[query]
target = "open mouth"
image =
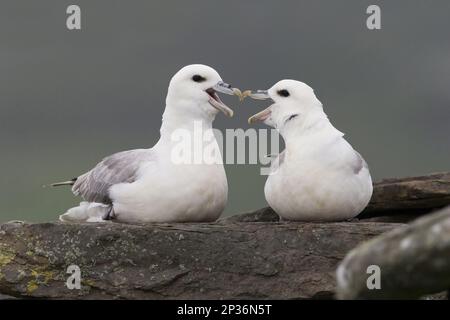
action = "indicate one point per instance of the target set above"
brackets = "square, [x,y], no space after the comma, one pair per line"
[213,94]
[215,101]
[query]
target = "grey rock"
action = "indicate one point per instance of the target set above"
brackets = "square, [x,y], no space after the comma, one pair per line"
[414,261]
[409,197]
[262,215]
[251,255]
[178,261]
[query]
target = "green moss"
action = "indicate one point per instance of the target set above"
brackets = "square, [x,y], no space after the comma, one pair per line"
[41,277]
[32,286]
[88,282]
[6,256]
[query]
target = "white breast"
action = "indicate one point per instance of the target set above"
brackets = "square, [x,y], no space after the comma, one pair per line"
[173,193]
[318,185]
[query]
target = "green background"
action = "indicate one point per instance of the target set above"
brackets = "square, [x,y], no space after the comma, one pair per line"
[69,98]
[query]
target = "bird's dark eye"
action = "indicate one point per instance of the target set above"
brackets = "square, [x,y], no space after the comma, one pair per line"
[283,93]
[198,78]
[292,116]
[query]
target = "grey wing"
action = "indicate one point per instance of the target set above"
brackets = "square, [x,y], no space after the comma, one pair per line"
[359,163]
[120,167]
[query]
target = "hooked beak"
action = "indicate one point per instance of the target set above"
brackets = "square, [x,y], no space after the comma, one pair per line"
[215,101]
[262,115]
[259,95]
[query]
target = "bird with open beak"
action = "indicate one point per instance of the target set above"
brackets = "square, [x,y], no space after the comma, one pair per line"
[147,185]
[319,176]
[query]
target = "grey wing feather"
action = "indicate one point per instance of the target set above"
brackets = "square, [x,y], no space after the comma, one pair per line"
[120,167]
[359,163]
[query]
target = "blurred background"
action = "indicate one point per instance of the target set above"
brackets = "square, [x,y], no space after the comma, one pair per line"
[69,98]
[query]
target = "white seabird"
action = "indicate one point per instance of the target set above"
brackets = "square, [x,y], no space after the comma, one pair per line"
[319,176]
[147,185]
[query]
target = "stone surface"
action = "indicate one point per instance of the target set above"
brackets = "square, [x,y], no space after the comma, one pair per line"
[409,196]
[261,215]
[251,255]
[181,261]
[414,261]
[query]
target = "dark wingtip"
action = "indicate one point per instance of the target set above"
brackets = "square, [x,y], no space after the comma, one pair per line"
[64,183]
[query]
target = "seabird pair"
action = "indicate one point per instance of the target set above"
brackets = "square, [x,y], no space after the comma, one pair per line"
[318,177]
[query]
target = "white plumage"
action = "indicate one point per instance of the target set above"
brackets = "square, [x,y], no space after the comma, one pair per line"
[319,176]
[146,185]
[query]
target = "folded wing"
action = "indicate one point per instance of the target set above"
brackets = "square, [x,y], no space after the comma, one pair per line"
[122,167]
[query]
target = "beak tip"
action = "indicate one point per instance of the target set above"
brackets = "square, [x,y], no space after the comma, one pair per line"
[236,91]
[241,95]
[261,116]
[246,93]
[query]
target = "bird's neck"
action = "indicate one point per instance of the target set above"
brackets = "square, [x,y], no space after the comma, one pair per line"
[314,123]
[188,138]
[177,120]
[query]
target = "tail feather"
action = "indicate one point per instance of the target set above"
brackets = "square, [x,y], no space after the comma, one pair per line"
[64,183]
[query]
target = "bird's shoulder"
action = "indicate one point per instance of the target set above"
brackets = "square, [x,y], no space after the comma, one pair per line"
[343,154]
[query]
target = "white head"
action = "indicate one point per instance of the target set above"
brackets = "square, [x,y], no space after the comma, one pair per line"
[293,102]
[193,90]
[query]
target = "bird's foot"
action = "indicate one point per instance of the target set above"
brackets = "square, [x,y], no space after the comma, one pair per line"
[110,214]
